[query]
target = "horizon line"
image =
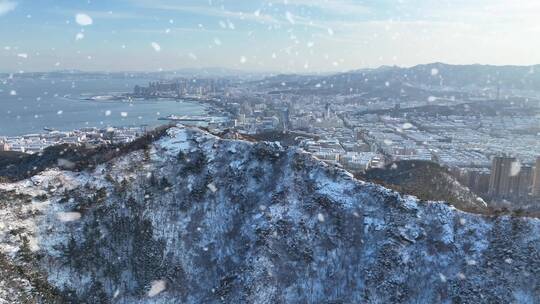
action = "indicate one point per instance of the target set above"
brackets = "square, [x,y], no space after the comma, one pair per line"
[253,71]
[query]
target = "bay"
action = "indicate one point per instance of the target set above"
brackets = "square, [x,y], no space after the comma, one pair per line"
[30,105]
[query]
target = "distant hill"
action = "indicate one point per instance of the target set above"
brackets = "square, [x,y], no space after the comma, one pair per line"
[10,157]
[209,72]
[427,181]
[443,78]
[15,166]
[461,76]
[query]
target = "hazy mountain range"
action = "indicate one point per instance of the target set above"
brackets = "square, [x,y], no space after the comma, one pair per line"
[433,74]
[429,77]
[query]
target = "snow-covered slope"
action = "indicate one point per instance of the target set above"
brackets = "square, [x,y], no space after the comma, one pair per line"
[198,219]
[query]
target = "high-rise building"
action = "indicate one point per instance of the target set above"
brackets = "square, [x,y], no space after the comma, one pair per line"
[536,183]
[477,179]
[327,112]
[502,170]
[521,183]
[3,145]
[285,118]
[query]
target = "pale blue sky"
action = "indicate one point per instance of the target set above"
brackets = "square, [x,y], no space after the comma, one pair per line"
[281,36]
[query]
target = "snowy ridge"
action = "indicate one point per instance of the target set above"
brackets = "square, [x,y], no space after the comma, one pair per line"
[199,219]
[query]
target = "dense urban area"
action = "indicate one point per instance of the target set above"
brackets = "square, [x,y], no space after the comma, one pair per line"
[487,136]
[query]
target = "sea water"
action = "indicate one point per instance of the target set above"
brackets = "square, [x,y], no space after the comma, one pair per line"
[30,105]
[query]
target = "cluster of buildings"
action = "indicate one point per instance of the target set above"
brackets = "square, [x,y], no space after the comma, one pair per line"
[361,134]
[181,87]
[35,143]
[321,132]
[510,179]
[341,147]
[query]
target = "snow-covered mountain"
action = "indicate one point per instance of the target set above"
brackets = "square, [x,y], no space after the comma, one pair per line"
[194,218]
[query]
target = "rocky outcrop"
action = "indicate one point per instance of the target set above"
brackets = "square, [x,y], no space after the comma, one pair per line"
[194,218]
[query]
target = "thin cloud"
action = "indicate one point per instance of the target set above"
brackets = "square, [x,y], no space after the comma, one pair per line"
[7,6]
[334,7]
[116,15]
[176,29]
[211,11]
[108,15]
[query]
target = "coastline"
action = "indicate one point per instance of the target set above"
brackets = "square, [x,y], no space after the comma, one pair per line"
[71,114]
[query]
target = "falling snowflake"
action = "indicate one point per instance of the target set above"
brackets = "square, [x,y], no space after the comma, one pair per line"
[83,19]
[108,113]
[320,217]
[156,288]
[217,41]
[212,187]
[471,262]
[79,36]
[13,93]
[243,59]
[156,46]
[289,16]
[407,125]
[67,164]
[515,168]
[22,55]
[434,72]
[68,216]
[124,114]
[7,6]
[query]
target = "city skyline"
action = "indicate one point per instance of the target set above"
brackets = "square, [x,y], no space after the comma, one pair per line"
[295,36]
